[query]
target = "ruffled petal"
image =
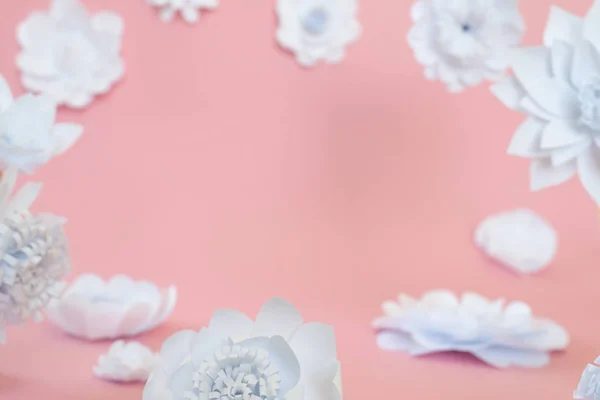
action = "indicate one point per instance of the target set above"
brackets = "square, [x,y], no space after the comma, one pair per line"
[6,97]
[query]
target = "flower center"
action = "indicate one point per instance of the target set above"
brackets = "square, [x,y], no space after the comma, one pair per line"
[466,28]
[236,373]
[316,22]
[589,105]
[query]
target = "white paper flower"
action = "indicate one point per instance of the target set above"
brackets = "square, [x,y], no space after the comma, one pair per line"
[589,385]
[558,87]
[464,42]
[69,54]
[189,9]
[317,30]
[94,309]
[126,362]
[519,239]
[277,357]
[29,136]
[33,255]
[498,335]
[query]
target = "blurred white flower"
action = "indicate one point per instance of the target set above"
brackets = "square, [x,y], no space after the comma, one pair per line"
[29,136]
[317,30]
[69,54]
[276,357]
[126,362]
[498,335]
[464,42]
[33,255]
[519,239]
[558,87]
[93,309]
[589,385]
[189,9]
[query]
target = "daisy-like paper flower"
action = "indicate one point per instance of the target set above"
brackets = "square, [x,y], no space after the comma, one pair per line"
[189,9]
[317,30]
[277,357]
[69,54]
[94,309]
[464,42]
[496,334]
[558,87]
[29,136]
[126,362]
[33,255]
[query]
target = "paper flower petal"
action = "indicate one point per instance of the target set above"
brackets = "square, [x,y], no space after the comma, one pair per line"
[265,364]
[588,165]
[189,9]
[589,385]
[126,362]
[503,357]
[94,309]
[562,25]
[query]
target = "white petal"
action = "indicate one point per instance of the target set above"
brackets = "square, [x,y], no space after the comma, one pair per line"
[562,25]
[475,302]
[531,64]
[509,91]
[543,174]
[24,199]
[65,135]
[282,355]
[562,59]
[395,341]
[526,140]
[277,317]
[157,387]
[109,22]
[206,342]
[175,349]
[419,10]
[182,381]
[561,156]
[534,109]
[230,324]
[561,133]
[586,67]
[503,357]
[591,25]
[190,15]
[35,30]
[314,345]
[440,298]
[588,165]
[36,64]
[555,97]
[6,97]
[167,14]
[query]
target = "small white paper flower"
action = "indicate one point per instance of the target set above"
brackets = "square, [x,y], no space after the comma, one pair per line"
[34,255]
[189,9]
[496,334]
[277,357]
[94,309]
[519,239]
[589,385]
[317,30]
[464,42]
[69,54]
[126,362]
[29,136]
[558,87]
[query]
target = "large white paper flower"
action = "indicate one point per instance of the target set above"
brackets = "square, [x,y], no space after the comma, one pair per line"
[558,87]
[496,334]
[69,54]
[521,240]
[29,136]
[126,362]
[464,42]
[275,358]
[589,385]
[94,309]
[189,9]
[317,30]
[33,255]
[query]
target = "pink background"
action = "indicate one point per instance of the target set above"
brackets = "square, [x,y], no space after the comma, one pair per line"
[221,166]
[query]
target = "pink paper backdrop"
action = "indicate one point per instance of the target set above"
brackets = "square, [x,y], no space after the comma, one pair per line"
[221,166]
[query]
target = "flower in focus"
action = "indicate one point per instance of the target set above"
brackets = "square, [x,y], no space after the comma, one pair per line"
[94,309]
[70,55]
[317,30]
[277,357]
[464,42]
[29,136]
[34,255]
[496,334]
[589,385]
[189,9]
[126,362]
[558,87]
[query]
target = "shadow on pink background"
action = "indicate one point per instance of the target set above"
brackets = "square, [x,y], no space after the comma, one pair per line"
[221,166]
